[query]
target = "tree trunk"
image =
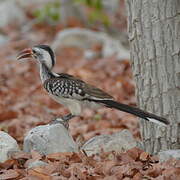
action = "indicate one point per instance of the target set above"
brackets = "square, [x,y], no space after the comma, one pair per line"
[154,35]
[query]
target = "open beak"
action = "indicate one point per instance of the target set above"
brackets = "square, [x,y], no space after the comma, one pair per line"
[26,53]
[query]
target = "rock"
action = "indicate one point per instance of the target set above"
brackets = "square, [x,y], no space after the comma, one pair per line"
[49,139]
[3,40]
[11,13]
[90,54]
[37,163]
[119,142]
[70,10]
[86,39]
[111,6]
[114,47]
[35,3]
[165,155]
[8,145]
[76,37]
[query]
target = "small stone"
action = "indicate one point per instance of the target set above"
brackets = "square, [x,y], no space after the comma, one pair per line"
[37,163]
[90,54]
[49,139]
[119,142]
[32,3]
[165,155]
[15,15]
[3,40]
[86,39]
[8,145]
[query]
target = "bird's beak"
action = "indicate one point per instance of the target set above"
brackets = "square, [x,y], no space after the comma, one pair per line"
[26,53]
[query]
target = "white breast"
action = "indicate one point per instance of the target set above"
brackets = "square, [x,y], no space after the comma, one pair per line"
[75,106]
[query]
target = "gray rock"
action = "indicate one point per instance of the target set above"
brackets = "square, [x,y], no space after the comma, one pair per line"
[111,6]
[37,163]
[49,139]
[119,142]
[90,54]
[69,9]
[165,155]
[11,13]
[3,40]
[114,47]
[85,39]
[76,37]
[8,145]
[35,3]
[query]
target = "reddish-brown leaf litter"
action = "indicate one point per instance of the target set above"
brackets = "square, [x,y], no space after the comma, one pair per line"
[133,164]
[24,104]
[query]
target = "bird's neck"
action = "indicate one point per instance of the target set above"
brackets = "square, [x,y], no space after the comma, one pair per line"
[45,72]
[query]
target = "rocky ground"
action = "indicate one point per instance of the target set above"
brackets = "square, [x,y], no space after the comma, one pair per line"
[24,105]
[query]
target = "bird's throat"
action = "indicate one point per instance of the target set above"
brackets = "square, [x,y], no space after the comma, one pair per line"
[45,72]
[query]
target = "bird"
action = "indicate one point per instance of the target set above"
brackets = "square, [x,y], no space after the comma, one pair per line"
[74,93]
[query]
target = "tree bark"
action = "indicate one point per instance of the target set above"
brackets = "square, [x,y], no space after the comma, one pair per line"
[154,35]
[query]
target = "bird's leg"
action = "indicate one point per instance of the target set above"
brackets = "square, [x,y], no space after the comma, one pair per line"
[68,117]
[63,120]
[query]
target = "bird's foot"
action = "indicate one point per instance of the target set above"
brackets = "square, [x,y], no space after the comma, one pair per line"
[68,117]
[62,120]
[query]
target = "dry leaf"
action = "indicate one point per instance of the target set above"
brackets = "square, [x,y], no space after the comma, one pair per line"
[59,156]
[144,156]
[125,158]
[36,155]
[7,164]
[20,155]
[117,171]
[137,176]
[77,174]
[38,173]
[134,153]
[113,177]
[171,173]
[7,115]
[9,174]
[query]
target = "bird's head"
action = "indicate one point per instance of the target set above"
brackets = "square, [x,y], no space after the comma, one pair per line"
[42,53]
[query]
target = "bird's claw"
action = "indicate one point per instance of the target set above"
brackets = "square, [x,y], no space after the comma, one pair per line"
[60,120]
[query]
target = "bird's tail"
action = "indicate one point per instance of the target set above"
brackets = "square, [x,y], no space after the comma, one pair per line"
[135,111]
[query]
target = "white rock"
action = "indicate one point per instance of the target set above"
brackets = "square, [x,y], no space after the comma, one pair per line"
[26,4]
[119,142]
[8,145]
[90,54]
[111,6]
[37,163]
[3,40]
[114,47]
[49,139]
[77,37]
[10,13]
[85,39]
[165,155]
[69,9]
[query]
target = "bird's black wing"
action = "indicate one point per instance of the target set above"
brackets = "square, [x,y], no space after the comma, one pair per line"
[68,86]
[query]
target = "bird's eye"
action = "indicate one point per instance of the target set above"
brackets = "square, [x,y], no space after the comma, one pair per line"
[34,51]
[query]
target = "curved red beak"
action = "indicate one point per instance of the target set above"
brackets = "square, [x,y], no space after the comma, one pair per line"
[26,53]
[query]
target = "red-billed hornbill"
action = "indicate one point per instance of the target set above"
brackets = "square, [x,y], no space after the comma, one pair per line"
[74,93]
